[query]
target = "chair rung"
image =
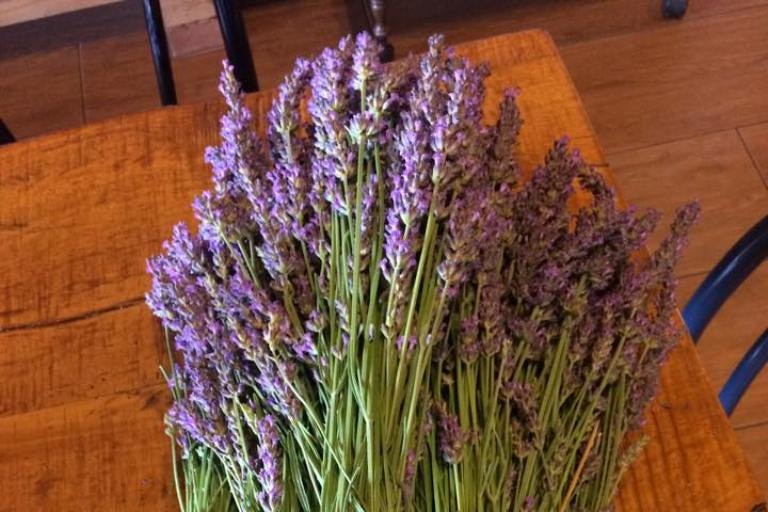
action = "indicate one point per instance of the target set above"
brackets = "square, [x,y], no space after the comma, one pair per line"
[745,373]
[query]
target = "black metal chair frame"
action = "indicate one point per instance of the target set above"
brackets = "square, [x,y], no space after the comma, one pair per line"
[738,263]
[232,32]
[161,58]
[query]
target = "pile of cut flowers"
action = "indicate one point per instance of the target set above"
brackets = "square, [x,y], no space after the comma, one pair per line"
[378,313]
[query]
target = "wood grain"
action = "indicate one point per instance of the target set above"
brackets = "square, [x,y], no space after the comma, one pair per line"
[754,437]
[687,464]
[164,170]
[567,21]
[28,108]
[736,326]
[106,454]
[18,11]
[119,77]
[756,140]
[182,12]
[101,354]
[691,79]
[716,170]
[64,254]
[69,30]
[86,207]
[194,38]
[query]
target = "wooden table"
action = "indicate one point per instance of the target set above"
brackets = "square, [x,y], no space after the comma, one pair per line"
[81,400]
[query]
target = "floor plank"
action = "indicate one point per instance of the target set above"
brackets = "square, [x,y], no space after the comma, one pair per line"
[568,21]
[756,139]
[716,170]
[18,11]
[728,337]
[40,93]
[70,29]
[318,23]
[197,76]
[674,81]
[118,77]
[313,25]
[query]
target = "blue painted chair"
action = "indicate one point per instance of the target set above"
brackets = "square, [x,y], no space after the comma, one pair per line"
[737,265]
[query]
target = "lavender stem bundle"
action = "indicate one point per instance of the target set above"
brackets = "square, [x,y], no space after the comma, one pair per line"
[378,314]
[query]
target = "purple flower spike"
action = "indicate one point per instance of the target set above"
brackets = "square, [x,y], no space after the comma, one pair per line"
[270,456]
[378,277]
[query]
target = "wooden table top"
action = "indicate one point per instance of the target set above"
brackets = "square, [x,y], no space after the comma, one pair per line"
[81,399]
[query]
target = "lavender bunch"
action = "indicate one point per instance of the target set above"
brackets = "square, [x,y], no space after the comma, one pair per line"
[378,313]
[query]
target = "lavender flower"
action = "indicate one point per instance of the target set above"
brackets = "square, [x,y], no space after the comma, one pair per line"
[378,263]
[452,439]
[270,456]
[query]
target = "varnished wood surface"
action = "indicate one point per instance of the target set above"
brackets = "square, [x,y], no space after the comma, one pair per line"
[696,77]
[32,111]
[79,213]
[103,52]
[755,138]
[712,168]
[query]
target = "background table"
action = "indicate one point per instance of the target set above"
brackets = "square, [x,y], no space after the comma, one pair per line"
[81,400]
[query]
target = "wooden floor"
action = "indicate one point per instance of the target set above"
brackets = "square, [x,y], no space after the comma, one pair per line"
[681,108]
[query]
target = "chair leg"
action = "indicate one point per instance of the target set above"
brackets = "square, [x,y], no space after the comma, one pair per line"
[378,11]
[674,8]
[236,43]
[159,45]
[6,137]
